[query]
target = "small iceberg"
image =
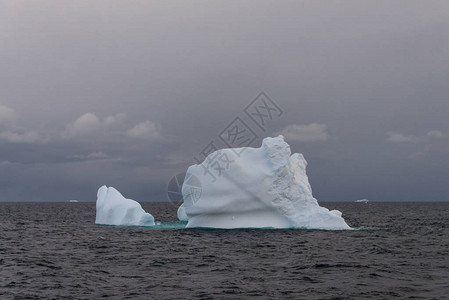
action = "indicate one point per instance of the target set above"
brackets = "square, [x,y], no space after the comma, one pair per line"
[114,209]
[362,201]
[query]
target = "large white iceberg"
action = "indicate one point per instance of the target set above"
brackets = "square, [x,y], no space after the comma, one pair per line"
[114,209]
[264,187]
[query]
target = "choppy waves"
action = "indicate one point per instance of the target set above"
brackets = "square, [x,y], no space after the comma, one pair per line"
[54,250]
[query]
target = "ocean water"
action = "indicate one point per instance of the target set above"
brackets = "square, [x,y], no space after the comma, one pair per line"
[55,251]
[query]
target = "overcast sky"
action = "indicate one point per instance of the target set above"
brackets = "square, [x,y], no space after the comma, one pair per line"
[127,93]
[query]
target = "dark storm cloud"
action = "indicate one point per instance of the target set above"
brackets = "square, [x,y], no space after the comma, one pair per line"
[127,93]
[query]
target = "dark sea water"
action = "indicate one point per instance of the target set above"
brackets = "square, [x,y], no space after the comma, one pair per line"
[54,251]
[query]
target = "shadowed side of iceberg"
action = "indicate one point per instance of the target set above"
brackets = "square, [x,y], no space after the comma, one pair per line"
[264,187]
[114,209]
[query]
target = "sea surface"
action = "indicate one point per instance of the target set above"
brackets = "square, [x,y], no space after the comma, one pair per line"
[55,251]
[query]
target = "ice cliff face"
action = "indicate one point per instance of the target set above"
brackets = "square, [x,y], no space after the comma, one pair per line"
[254,188]
[114,209]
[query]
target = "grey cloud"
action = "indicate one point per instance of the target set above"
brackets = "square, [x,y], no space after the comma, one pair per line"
[20,137]
[437,134]
[396,137]
[312,132]
[7,116]
[145,130]
[11,132]
[91,156]
[86,124]
[90,126]
[114,120]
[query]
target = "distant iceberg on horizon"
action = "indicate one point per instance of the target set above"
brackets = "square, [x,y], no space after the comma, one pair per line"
[362,201]
[264,187]
[114,209]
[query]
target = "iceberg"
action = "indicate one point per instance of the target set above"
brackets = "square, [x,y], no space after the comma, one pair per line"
[114,209]
[182,214]
[264,187]
[362,201]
